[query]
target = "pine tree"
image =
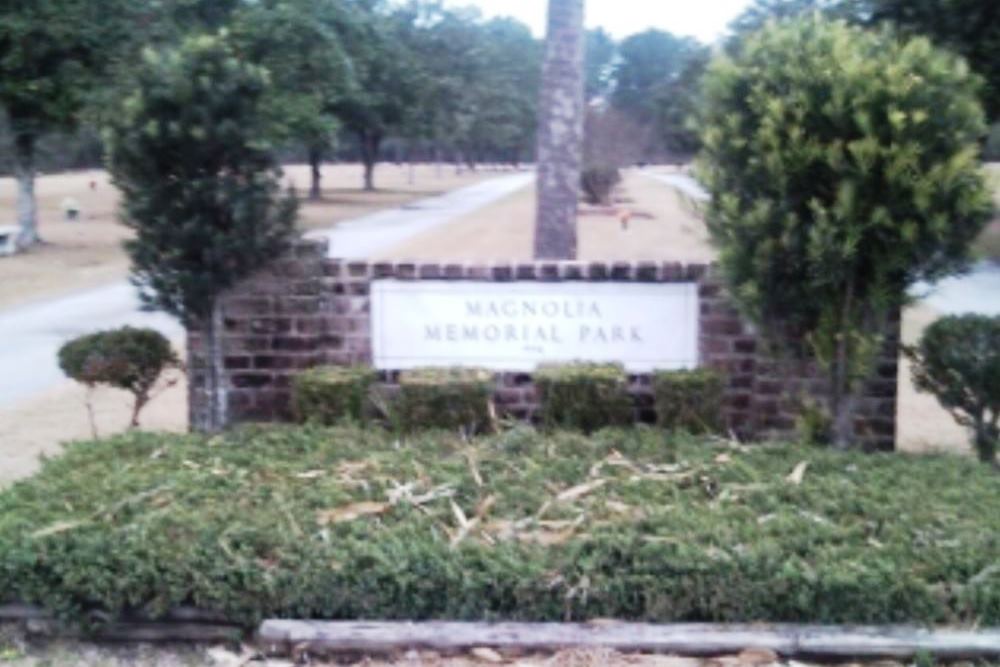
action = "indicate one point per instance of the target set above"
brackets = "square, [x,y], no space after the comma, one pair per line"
[560,132]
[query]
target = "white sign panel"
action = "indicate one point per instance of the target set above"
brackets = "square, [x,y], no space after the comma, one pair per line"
[517,326]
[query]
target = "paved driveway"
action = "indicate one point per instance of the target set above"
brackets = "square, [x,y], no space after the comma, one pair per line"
[30,336]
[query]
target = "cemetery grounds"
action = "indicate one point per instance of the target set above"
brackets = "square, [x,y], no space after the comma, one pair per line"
[649,220]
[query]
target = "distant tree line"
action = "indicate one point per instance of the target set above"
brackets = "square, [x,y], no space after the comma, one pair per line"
[373,79]
[969,28]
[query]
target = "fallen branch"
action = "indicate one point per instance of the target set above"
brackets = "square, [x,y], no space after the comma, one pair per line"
[281,636]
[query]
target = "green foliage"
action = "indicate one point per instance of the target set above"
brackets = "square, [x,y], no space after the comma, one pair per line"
[584,396]
[300,46]
[198,180]
[51,53]
[967,27]
[479,87]
[253,524]
[443,398]
[599,182]
[599,60]
[333,394]
[958,360]
[656,83]
[388,79]
[813,424]
[843,167]
[761,12]
[689,400]
[128,359]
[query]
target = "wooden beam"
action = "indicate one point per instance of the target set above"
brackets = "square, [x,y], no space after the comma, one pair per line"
[281,636]
[183,624]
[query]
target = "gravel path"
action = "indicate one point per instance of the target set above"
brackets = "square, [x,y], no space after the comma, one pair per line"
[375,233]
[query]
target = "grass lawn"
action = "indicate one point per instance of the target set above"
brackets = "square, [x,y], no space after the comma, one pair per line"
[632,524]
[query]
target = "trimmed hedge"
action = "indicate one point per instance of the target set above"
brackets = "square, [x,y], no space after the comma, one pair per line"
[583,396]
[689,400]
[446,398]
[332,394]
[635,524]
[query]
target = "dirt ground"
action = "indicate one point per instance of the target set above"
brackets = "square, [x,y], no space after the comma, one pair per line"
[660,227]
[34,429]
[16,652]
[88,253]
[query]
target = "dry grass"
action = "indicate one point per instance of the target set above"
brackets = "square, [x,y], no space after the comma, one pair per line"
[660,228]
[85,254]
[37,427]
[663,229]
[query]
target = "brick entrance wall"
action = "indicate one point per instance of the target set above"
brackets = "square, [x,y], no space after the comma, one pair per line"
[306,310]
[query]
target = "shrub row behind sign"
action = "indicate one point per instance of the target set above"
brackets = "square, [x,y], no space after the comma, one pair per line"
[579,396]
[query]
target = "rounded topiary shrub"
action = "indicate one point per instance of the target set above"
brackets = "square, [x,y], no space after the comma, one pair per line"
[129,359]
[445,398]
[958,360]
[328,395]
[584,396]
[689,400]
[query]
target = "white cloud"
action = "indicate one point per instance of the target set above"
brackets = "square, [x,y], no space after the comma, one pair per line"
[707,20]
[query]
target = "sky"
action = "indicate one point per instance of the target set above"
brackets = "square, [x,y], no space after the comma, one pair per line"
[704,19]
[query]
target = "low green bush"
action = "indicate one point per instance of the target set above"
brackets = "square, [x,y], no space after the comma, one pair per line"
[584,396]
[635,524]
[128,358]
[332,394]
[598,183]
[689,400]
[444,398]
[958,360]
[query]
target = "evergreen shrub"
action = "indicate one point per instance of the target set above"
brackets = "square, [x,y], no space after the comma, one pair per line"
[443,398]
[689,400]
[332,394]
[584,396]
[632,524]
[598,183]
[128,358]
[958,360]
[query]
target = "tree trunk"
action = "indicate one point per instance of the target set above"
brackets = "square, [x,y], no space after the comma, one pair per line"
[843,399]
[369,155]
[213,416]
[27,208]
[987,438]
[560,132]
[316,164]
